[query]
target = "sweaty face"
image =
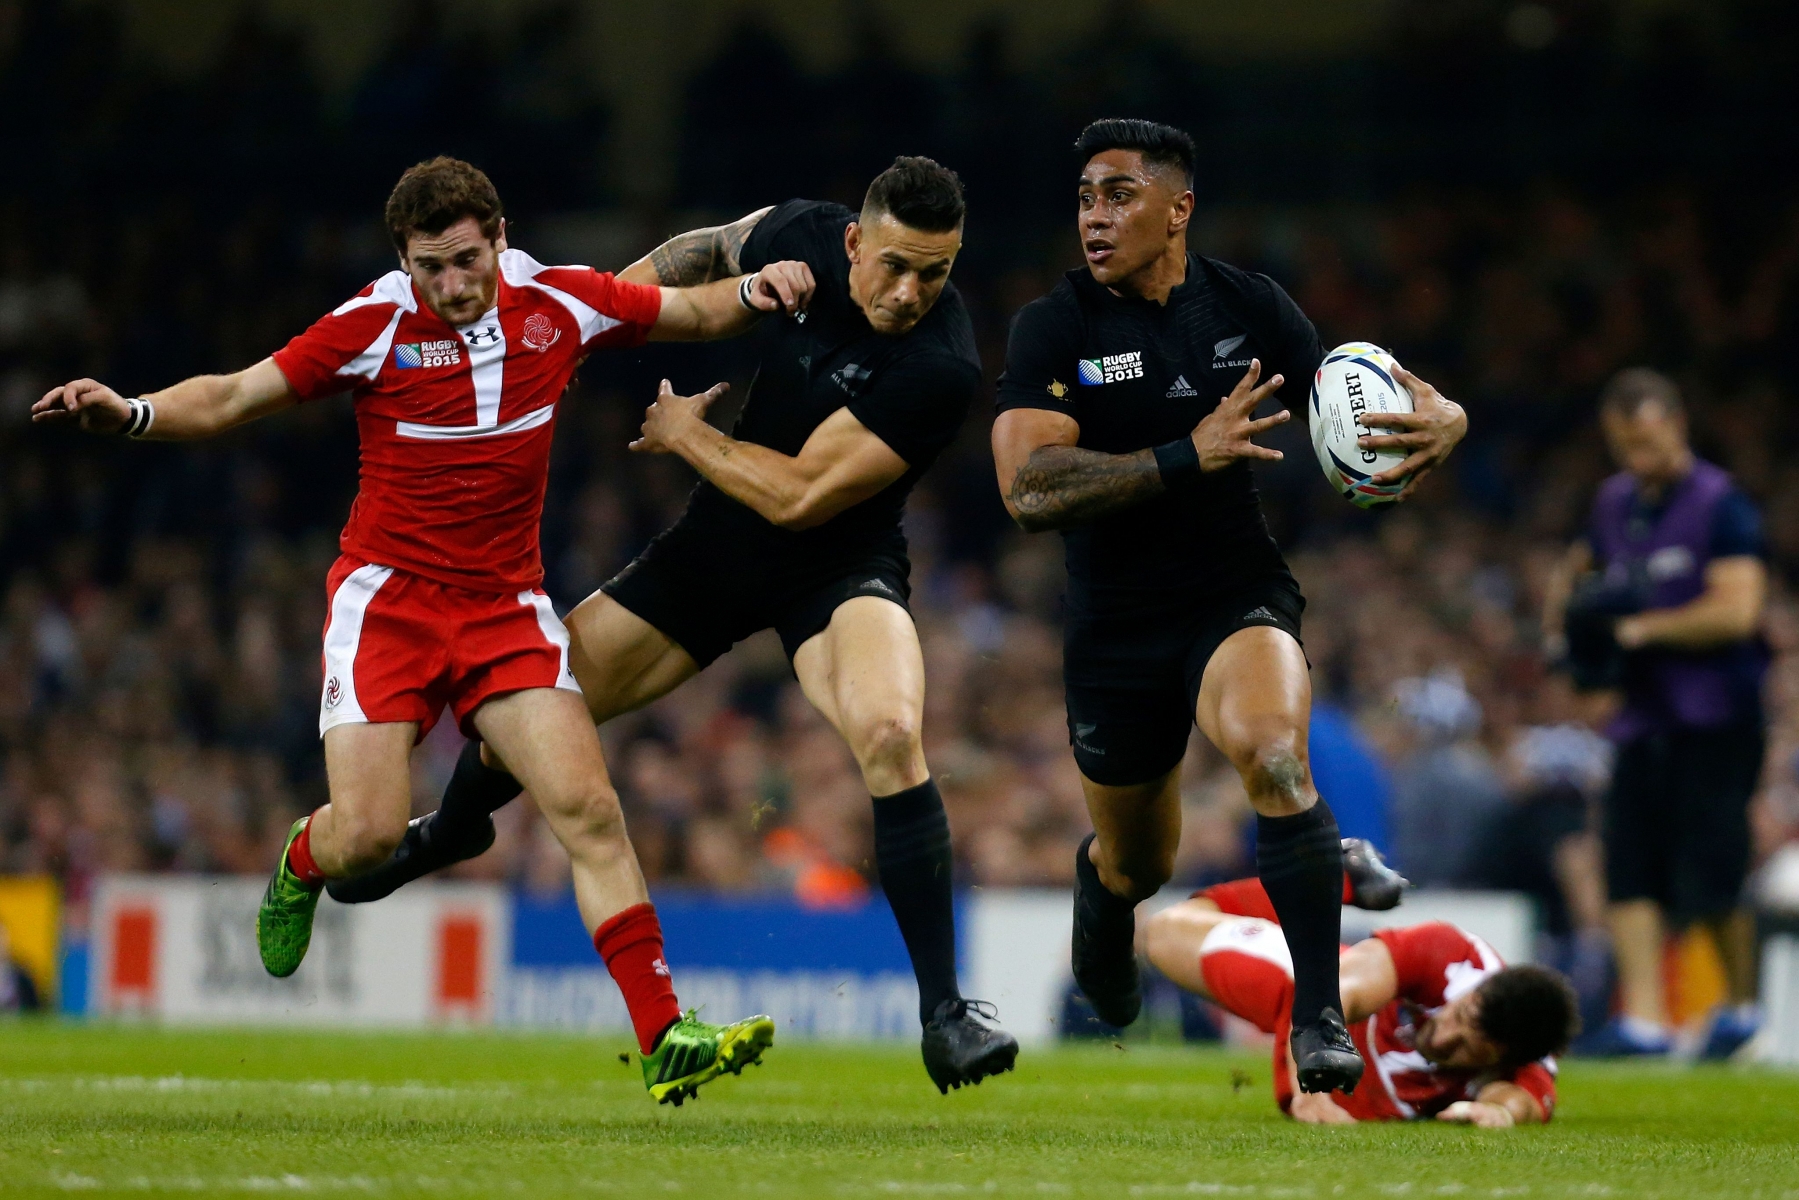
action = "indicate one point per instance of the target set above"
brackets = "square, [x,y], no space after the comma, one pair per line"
[1451,1037]
[1128,212]
[457,272]
[897,272]
[1650,443]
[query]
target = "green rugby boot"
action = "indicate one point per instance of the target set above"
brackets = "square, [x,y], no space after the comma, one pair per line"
[692,1052]
[284,922]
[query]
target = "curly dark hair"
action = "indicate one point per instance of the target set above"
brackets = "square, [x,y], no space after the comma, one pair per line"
[919,193]
[436,194]
[1527,1012]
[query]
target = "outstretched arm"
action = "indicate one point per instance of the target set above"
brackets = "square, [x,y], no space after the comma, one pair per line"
[194,408]
[698,256]
[729,307]
[1048,482]
[842,463]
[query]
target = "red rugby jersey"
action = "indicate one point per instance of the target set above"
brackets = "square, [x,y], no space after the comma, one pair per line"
[1436,962]
[455,423]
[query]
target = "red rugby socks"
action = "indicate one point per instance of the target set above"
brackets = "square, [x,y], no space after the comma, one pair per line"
[1248,898]
[300,860]
[631,944]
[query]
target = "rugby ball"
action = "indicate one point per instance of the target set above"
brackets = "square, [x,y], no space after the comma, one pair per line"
[1356,378]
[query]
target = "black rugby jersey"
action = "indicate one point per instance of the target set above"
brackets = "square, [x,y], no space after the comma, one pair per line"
[912,391]
[1135,374]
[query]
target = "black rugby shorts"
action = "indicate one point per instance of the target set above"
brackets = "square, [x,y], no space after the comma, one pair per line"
[1677,818]
[707,587]
[1132,678]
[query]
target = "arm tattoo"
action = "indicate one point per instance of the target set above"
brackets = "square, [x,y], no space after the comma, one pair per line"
[1059,486]
[702,255]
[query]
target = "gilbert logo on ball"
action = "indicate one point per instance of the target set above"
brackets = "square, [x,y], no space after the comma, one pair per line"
[1356,379]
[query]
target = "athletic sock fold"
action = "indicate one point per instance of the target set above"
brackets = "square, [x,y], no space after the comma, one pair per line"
[913,859]
[299,857]
[630,942]
[1300,861]
[476,790]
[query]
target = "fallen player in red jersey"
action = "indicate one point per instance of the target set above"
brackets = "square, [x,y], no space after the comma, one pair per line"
[1450,1030]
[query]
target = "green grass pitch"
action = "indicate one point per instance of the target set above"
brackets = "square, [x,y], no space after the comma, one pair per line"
[105,1110]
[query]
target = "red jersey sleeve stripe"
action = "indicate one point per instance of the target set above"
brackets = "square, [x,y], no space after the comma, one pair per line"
[603,305]
[349,345]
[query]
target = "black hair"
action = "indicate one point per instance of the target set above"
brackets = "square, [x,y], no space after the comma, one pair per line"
[919,193]
[1635,387]
[1527,1012]
[1161,145]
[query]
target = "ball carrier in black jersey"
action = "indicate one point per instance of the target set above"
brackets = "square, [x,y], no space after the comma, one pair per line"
[1180,608]
[796,526]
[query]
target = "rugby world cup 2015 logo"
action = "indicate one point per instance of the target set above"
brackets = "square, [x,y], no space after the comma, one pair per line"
[446,352]
[1110,368]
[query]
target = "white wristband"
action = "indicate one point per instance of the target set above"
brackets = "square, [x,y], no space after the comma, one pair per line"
[143,415]
[743,291]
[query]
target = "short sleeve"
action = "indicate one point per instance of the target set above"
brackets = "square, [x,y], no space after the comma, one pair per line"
[620,313]
[1737,527]
[780,235]
[1422,956]
[345,347]
[918,404]
[1040,359]
[1296,350]
[1538,1079]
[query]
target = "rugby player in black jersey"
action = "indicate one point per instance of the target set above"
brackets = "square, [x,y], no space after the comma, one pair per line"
[1115,427]
[796,526]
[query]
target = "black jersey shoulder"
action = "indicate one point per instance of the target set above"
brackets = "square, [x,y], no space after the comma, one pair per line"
[808,231]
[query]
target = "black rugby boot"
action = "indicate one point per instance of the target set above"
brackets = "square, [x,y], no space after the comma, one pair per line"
[1324,1055]
[961,1047]
[1373,885]
[1103,954]
[427,847]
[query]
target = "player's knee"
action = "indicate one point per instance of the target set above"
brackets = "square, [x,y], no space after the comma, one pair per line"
[1274,769]
[887,742]
[589,814]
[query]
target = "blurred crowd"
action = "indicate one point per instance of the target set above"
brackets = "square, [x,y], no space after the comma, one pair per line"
[160,605]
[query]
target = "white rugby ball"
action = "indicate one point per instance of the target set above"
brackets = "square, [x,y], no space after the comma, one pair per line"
[1356,378]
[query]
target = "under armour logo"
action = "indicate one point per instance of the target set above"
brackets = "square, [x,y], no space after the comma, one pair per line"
[487,335]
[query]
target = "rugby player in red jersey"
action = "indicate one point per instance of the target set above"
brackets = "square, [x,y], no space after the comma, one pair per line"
[1451,1031]
[456,363]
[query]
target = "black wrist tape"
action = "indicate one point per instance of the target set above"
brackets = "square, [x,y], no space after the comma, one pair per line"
[1178,461]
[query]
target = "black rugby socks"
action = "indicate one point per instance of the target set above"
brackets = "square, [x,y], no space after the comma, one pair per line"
[1300,861]
[912,853]
[476,791]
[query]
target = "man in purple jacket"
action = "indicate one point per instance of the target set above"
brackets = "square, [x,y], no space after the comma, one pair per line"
[1679,551]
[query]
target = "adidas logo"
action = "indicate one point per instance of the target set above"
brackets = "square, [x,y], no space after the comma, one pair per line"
[1259,613]
[1180,387]
[881,586]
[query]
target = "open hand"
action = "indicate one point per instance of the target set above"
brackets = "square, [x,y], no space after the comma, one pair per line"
[1473,1112]
[1430,431]
[784,287]
[664,421]
[1223,437]
[93,405]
